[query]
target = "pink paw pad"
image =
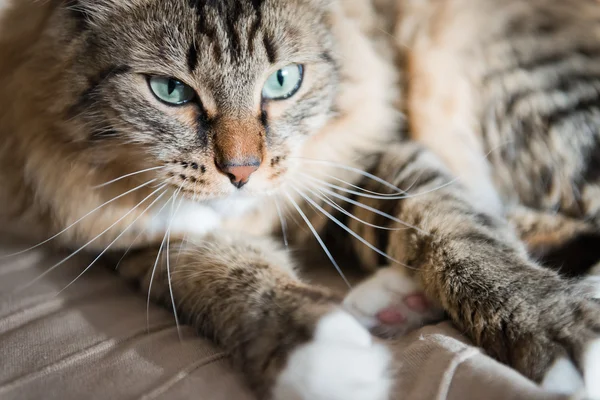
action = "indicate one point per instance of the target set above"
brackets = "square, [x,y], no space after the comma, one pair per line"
[417,302]
[391,316]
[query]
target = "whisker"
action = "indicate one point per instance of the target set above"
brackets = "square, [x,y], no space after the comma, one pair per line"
[299,224]
[139,235]
[169,265]
[333,204]
[391,36]
[172,199]
[78,221]
[128,176]
[83,247]
[408,189]
[355,170]
[321,243]
[350,231]
[283,222]
[408,196]
[117,238]
[373,210]
[349,191]
[185,235]
[360,188]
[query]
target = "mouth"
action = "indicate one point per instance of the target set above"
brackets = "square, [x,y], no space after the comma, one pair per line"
[201,182]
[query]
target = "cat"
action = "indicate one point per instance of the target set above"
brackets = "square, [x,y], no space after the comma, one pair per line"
[168,137]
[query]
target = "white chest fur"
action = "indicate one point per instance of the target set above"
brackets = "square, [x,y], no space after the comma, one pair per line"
[194,218]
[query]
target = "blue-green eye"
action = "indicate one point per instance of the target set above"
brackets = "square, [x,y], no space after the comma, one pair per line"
[284,83]
[171,91]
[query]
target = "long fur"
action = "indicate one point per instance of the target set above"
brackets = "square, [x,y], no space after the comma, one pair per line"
[431,135]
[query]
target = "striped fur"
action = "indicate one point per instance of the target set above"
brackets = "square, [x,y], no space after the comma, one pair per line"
[501,139]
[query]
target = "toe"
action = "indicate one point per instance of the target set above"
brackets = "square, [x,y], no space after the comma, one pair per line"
[417,302]
[391,316]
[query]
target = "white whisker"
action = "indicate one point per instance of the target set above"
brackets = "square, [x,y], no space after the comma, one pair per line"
[333,204]
[321,243]
[349,191]
[169,265]
[78,221]
[80,249]
[363,189]
[373,210]
[172,199]
[391,36]
[356,170]
[118,237]
[283,222]
[185,235]
[408,189]
[128,176]
[408,196]
[350,231]
[139,235]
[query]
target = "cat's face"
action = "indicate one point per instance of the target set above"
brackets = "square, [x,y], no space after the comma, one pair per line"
[223,93]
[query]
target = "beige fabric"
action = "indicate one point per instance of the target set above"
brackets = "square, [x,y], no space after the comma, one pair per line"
[91,341]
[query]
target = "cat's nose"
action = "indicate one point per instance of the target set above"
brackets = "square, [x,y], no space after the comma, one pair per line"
[239,173]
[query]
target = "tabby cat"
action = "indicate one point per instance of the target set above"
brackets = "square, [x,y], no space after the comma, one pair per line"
[171,135]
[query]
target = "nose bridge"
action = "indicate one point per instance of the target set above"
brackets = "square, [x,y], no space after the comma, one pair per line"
[239,141]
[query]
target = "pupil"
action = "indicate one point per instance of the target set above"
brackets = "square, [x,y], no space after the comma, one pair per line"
[172,86]
[280,77]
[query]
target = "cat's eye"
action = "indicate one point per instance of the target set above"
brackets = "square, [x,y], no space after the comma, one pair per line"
[170,90]
[284,83]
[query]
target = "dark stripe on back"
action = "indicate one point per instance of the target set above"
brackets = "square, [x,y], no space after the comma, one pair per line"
[563,84]
[591,174]
[543,24]
[543,61]
[582,106]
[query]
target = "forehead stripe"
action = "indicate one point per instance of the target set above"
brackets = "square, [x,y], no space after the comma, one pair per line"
[192,57]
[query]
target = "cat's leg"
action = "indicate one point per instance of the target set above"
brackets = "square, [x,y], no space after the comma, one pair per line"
[474,266]
[291,340]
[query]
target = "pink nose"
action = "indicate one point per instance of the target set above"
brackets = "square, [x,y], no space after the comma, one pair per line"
[239,174]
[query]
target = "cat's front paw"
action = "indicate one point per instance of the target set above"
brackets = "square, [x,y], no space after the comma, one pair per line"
[391,304]
[341,363]
[574,341]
